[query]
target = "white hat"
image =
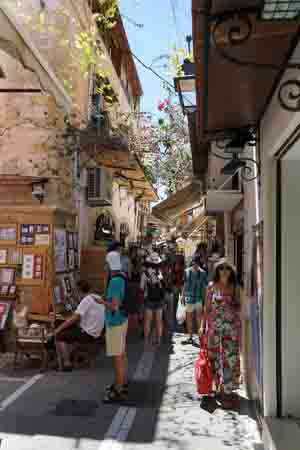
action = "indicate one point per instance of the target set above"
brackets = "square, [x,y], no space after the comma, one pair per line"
[113,259]
[154,258]
[224,261]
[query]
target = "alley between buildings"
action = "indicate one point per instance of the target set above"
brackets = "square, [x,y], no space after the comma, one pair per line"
[64,411]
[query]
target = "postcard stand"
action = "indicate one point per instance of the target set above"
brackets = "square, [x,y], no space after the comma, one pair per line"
[39,255]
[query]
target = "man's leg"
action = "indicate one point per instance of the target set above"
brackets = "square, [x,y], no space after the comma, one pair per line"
[120,371]
[64,351]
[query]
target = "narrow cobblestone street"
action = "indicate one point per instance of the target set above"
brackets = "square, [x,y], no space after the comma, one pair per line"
[65,412]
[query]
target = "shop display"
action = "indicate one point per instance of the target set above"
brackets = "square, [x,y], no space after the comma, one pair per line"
[28,267]
[27,234]
[38,268]
[60,249]
[3,256]
[15,256]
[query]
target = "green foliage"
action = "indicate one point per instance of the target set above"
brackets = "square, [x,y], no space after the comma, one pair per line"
[108,14]
[83,47]
[176,60]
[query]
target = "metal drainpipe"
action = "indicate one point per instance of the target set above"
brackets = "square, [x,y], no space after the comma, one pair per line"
[204,13]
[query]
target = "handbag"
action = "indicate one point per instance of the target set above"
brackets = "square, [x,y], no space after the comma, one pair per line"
[181,312]
[203,370]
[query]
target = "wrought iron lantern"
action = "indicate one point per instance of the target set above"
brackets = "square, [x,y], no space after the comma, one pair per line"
[234,146]
[185,86]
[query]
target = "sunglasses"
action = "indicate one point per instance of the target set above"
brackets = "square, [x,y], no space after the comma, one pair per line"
[223,268]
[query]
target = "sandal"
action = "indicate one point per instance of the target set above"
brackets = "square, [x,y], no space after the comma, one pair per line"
[115,396]
[111,387]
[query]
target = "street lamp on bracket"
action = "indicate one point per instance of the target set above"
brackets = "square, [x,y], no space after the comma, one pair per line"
[185,86]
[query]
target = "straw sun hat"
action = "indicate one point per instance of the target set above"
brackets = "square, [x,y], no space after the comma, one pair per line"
[223,262]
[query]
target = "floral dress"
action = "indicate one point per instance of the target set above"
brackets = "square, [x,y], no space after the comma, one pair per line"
[224,336]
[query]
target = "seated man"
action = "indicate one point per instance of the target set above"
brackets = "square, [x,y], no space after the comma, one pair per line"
[84,326]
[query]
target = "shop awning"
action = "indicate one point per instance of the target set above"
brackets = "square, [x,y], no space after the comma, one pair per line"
[15,42]
[233,86]
[187,198]
[194,226]
[222,201]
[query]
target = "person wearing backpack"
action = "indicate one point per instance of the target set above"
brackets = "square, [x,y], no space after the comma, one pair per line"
[152,287]
[116,320]
[193,295]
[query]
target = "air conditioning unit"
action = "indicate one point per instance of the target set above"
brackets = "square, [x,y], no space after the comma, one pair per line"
[99,187]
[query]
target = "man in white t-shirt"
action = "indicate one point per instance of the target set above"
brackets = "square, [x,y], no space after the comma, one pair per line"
[84,326]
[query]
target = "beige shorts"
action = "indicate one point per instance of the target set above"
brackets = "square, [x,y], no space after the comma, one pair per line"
[116,340]
[193,307]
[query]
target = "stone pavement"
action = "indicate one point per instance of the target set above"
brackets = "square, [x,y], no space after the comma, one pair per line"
[64,411]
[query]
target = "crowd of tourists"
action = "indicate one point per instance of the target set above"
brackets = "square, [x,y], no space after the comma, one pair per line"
[162,294]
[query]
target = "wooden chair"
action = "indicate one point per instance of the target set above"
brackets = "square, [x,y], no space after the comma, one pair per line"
[32,341]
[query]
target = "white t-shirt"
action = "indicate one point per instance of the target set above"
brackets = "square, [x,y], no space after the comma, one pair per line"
[92,315]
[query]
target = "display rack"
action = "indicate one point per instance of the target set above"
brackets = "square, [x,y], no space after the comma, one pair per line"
[39,255]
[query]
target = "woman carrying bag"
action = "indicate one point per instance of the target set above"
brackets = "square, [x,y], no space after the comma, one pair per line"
[222,326]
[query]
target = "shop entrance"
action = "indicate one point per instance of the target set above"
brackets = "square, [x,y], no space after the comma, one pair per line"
[288,283]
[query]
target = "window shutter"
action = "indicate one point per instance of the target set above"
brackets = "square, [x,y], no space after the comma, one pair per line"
[94,183]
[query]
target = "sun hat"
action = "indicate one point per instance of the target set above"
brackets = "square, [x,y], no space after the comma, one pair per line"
[225,262]
[113,259]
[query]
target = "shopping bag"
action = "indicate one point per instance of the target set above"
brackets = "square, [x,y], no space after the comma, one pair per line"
[180,313]
[203,370]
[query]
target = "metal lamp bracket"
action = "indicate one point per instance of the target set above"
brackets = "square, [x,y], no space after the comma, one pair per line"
[236,27]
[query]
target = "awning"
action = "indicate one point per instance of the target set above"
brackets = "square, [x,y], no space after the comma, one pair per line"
[194,225]
[222,201]
[178,203]
[15,42]
[233,86]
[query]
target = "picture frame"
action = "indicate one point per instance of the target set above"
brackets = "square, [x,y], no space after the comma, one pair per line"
[28,267]
[3,255]
[8,233]
[7,275]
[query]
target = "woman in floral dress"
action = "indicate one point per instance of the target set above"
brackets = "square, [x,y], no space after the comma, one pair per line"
[223,328]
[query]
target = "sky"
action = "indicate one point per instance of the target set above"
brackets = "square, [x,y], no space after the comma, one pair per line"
[165,23]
